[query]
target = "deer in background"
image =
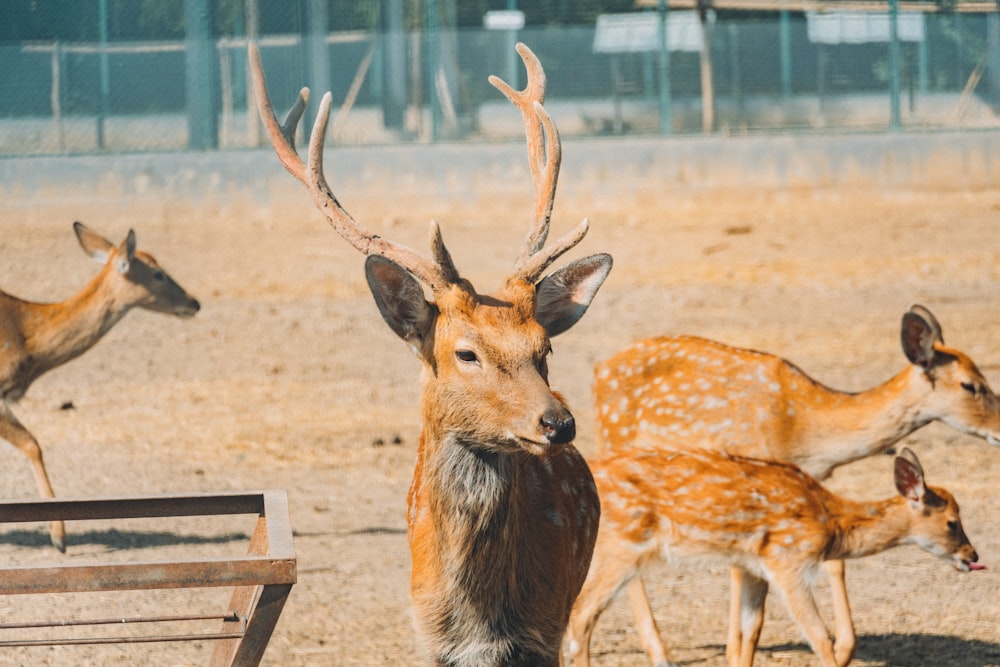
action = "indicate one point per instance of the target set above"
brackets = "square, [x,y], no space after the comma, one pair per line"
[685,393]
[37,337]
[764,517]
[502,512]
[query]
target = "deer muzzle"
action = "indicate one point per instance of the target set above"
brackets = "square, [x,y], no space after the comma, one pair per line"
[558,426]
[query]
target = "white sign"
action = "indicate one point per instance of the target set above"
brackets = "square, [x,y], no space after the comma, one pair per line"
[640,31]
[862,27]
[504,19]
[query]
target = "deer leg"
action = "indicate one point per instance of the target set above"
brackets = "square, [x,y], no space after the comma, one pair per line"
[645,624]
[752,595]
[845,640]
[609,572]
[16,434]
[735,639]
[802,606]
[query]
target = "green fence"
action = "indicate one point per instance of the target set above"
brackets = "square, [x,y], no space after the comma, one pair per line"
[771,71]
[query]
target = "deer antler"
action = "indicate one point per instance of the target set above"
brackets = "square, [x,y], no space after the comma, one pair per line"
[544,158]
[436,274]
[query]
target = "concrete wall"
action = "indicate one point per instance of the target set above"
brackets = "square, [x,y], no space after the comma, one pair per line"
[616,170]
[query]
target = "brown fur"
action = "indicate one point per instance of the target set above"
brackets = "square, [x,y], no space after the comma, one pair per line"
[500,529]
[37,337]
[685,392]
[502,511]
[769,519]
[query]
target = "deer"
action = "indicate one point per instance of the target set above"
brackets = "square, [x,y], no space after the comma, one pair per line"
[686,392]
[767,518]
[502,512]
[37,337]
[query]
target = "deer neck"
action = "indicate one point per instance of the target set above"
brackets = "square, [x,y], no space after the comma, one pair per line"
[843,427]
[472,485]
[867,528]
[57,332]
[467,537]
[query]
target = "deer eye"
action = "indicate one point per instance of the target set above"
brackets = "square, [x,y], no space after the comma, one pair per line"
[159,276]
[953,526]
[466,356]
[970,387]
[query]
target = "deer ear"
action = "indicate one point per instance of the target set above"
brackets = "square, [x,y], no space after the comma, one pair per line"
[400,300]
[126,253]
[918,333]
[95,245]
[910,477]
[565,294]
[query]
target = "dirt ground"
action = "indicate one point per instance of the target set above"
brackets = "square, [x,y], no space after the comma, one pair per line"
[288,379]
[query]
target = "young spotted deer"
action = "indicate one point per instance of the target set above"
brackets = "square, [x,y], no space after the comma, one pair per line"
[685,392]
[37,337]
[764,517]
[502,511]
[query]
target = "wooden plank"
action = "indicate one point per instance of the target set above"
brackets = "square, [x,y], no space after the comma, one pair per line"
[146,575]
[140,507]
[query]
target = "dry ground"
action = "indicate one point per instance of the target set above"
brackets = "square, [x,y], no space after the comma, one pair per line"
[289,379]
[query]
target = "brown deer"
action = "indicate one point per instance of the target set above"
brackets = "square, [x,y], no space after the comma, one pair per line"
[764,517]
[685,392]
[502,511]
[37,337]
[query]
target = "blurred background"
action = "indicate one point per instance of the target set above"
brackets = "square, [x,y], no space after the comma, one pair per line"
[97,76]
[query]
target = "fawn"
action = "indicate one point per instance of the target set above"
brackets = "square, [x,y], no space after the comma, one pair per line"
[685,392]
[768,518]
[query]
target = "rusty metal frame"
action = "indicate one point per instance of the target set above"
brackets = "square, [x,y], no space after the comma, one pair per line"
[262,579]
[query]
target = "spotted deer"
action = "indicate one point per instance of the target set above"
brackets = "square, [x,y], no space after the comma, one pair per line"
[767,518]
[685,392]
[37,337]
[502,512]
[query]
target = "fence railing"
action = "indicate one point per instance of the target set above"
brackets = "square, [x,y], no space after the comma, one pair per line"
[770,70]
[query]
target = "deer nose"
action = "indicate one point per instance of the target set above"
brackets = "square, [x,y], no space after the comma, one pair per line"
[558,426]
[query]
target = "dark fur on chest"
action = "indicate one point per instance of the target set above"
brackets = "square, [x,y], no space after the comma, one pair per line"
[517,532]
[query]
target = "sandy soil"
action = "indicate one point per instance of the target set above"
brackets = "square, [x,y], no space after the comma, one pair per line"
[289,379]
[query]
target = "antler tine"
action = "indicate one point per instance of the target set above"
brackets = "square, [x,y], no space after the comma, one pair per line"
[282,135]
[544,158]
[534,266]
[441,255]
[437,276]
[544,147]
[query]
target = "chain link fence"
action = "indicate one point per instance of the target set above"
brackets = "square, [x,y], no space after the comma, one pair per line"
[629,74]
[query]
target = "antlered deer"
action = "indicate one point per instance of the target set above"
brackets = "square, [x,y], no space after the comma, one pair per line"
[37,337]
[766,518]
[502,512]
[685,392]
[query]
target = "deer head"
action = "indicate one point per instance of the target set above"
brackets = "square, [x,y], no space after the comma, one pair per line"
[485,355]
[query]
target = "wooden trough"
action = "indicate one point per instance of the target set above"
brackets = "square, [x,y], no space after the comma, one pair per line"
[262,579]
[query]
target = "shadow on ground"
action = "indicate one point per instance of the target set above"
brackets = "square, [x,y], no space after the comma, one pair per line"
[911,650]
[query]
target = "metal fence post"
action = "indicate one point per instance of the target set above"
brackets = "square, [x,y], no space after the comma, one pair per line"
[104,105]
[198,71]
[894,57]
[433,65]
[317,57]
[666,115]
[393,44]
[785,52]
